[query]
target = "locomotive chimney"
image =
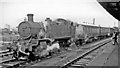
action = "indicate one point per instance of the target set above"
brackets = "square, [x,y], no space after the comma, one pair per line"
[30,17]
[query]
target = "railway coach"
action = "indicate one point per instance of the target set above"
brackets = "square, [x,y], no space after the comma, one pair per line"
[89,33]
[86,33]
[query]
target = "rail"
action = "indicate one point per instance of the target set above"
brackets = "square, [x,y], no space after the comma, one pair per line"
[4,51]
[83,55]
[6,54]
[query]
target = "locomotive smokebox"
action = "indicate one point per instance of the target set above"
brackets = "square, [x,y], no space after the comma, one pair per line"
[30,17]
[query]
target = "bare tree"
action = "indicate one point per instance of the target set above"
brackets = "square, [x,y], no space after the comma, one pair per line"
[8,26]
[14,30]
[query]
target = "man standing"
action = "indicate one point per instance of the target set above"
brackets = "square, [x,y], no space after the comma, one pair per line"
[115,37]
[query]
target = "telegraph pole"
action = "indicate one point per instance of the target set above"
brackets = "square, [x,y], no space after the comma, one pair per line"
[93,21]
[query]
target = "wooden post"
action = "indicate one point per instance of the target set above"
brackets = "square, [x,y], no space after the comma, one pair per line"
[119,31]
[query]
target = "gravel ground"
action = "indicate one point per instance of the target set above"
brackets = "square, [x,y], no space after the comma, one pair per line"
[70,54]
[66,57]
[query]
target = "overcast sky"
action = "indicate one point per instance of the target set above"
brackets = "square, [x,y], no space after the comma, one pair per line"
[14,11]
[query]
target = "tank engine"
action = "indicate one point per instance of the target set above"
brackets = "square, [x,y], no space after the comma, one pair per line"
[31,34]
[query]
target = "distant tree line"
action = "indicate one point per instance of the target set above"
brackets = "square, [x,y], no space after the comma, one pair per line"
[8,31]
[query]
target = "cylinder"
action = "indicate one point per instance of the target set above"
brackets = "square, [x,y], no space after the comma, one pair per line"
[30,17]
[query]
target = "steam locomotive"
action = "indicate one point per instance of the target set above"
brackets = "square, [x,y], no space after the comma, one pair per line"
[42,40]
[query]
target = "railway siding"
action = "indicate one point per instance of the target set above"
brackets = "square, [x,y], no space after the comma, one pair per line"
[66,57]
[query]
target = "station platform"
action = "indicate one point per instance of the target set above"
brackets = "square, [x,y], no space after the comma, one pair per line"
[109,58]
[113,58]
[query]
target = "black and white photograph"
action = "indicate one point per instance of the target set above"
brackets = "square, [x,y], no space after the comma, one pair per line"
[59,33]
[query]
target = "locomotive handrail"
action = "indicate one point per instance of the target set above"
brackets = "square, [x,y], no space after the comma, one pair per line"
[45,39]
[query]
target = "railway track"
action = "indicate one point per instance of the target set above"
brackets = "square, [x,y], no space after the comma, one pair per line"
[6,54]
[10,63]
[4,51]
[83,59]
[15,63]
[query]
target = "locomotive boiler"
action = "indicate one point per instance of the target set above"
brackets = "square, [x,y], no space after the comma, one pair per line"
[29,28]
